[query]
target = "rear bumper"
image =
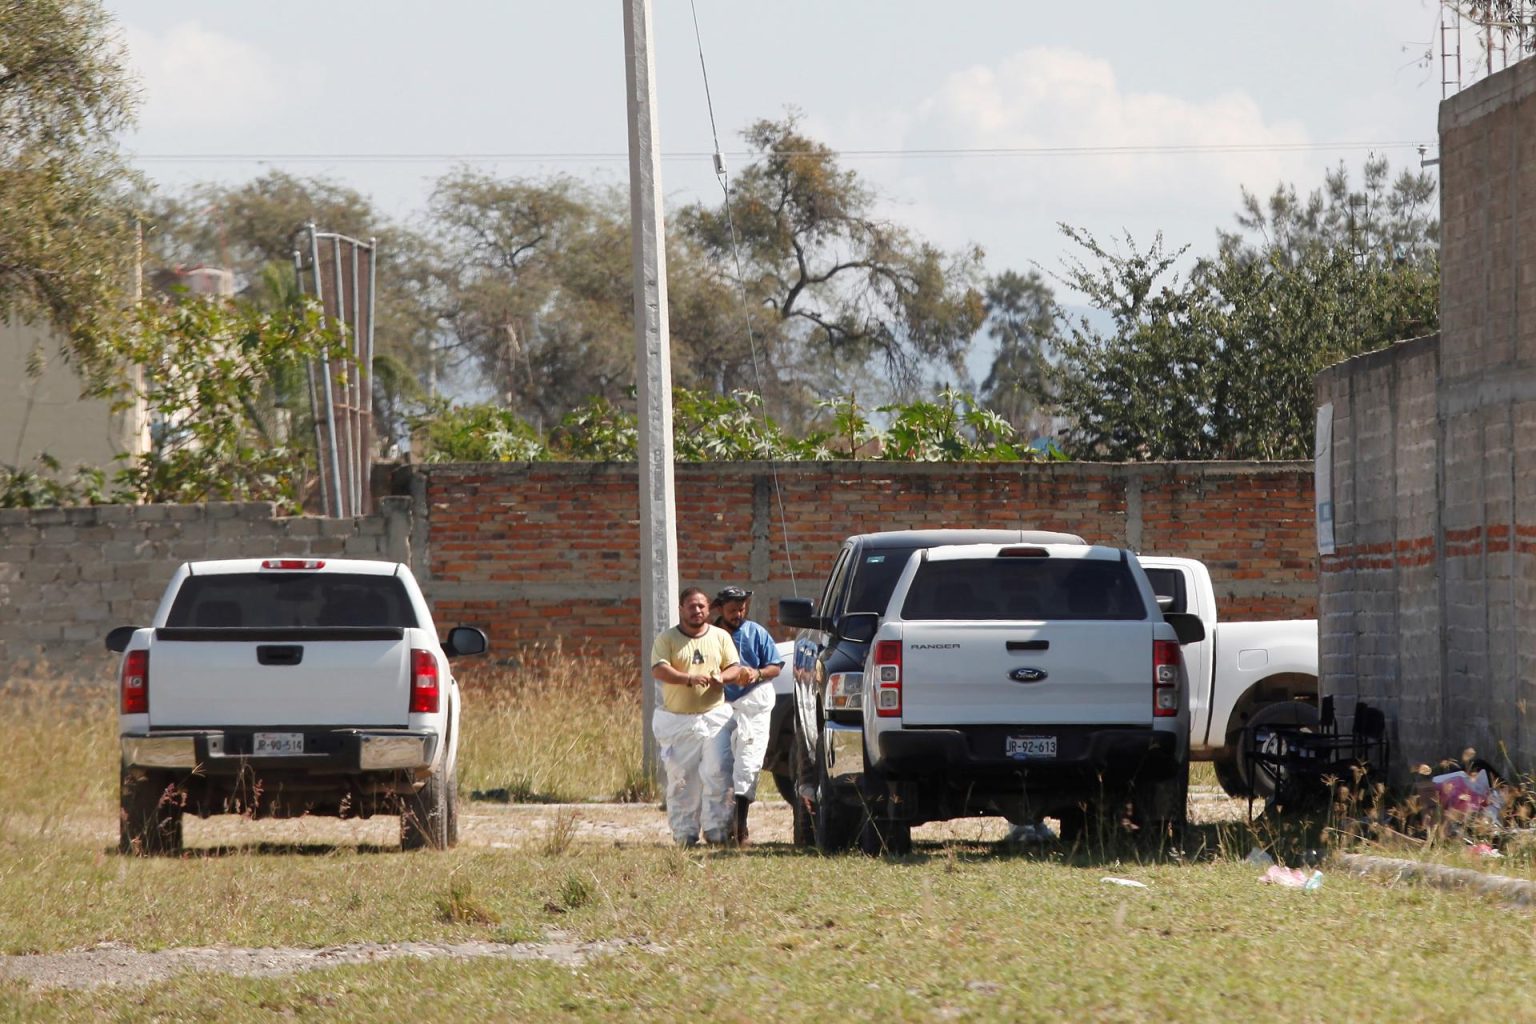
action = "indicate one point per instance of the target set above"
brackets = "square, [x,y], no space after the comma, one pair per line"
[977,752]
[327,751]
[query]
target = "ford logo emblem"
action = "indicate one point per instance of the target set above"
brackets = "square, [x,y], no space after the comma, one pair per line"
[1026,675]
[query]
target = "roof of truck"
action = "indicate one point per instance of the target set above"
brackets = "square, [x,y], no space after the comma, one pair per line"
[292,563]
[913,539]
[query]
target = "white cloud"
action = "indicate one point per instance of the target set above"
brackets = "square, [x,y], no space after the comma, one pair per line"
[1051,98]
[197,78]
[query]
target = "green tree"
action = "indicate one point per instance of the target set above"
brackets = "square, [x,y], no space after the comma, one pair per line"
[1222,364]
[1021,319]
[844,289]
[221,429]
[252,229]
[67,236]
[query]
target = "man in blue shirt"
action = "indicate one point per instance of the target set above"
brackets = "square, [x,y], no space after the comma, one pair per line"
[751,699]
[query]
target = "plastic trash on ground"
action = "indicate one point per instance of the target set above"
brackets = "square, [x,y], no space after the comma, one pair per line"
[1129,883]
[1259,857]
[1292,878]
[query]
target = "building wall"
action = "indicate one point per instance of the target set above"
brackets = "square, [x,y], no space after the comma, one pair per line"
[548,552]
[1427,605]
[46,415]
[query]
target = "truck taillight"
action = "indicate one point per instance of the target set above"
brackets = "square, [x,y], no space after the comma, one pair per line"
[425,693]
[306,564]
[1165,678]
[134,683]
[888,678]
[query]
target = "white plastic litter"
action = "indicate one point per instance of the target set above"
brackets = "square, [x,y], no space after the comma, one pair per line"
[1129,883]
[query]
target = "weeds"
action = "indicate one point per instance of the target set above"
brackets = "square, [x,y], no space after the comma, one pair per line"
[459,906]
[560,833]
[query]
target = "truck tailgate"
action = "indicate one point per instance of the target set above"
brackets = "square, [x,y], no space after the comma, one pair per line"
[1013,673]
[292,677]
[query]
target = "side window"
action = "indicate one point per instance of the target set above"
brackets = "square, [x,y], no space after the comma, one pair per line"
[1169,583]
[830,596]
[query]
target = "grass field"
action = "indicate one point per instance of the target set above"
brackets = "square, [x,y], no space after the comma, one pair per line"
[961,930]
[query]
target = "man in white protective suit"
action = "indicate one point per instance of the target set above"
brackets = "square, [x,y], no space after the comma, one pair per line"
[751,700]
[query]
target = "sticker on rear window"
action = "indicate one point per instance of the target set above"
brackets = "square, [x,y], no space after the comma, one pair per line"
[874,559]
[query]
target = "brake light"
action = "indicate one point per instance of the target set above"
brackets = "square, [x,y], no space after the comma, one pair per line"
[1165,678]
[425,693]
[133,684]
[888,678]
[1023,553]
[308,564]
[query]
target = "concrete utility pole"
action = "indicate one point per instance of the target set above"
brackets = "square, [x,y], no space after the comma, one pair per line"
[653,358]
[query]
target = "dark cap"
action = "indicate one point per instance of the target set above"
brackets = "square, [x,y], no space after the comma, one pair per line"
[732,593]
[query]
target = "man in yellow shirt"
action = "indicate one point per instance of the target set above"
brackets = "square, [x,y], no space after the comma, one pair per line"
[693,661]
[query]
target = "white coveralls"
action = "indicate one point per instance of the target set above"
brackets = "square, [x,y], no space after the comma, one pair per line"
[751,714]
[696,752]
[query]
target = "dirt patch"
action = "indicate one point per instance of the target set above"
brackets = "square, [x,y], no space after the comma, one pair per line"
[113,963]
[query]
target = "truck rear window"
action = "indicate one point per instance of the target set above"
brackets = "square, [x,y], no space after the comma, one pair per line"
[1024,588]
[287,599]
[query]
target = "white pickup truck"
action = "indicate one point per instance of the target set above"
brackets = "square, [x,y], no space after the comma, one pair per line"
[288,686]
[1244,676]
[1021,680]
[1240,675]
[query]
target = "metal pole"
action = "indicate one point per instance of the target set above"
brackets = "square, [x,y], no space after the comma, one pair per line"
[653,363]
[373,279]
[348,464]
[325,375]
[314,402]
[355,418]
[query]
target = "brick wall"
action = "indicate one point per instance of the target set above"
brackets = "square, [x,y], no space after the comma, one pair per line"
[535,550]
[549,551]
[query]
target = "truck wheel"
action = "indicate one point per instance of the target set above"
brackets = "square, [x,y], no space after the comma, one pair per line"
[426,821]
[1230,776]
[1161,810]
[835,824]
[1288,713]
[803,828]
[150,815]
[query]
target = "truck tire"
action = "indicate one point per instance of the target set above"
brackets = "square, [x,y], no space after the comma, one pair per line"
[428,818]
[1161,810]
[802,826]
[150,816]
[1230,776]
[836,825]
[1291,713]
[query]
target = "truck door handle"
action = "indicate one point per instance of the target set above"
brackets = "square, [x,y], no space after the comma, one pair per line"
[272,654]
[1029,645]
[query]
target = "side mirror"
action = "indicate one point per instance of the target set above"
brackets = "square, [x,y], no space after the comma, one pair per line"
[858,627]
[119,638]
[1189,627]
[464,640]
[798,613]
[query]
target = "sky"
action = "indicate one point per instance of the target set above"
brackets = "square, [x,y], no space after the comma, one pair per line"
[983,123]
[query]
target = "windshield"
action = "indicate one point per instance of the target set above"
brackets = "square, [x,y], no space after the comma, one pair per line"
[1024,588]
[286,599]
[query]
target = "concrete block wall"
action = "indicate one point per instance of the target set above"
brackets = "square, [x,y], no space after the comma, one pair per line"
[68,575]
[1379,600]
[1428,605]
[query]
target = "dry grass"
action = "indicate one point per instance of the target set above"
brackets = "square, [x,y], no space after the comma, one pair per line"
[962,929]
[549,726]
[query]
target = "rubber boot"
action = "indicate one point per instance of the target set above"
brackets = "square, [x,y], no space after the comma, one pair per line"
[743,804]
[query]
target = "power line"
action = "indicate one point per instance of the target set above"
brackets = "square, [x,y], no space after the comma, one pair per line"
[1149,149]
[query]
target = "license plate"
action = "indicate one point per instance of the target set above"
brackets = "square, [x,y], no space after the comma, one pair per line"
[1022,747]
[270,743]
